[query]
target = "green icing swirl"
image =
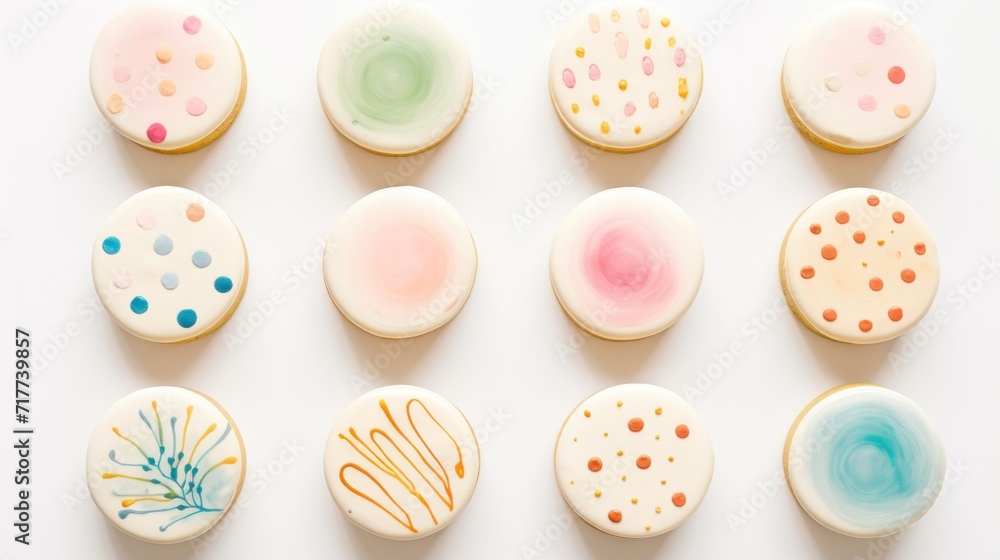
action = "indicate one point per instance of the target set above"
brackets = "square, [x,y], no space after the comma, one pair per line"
[395,84]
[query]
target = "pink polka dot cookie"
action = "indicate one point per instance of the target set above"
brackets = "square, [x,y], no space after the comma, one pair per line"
[625,76]
[626,263]
[858,77]
[168,76]
[859,266]
[634,460]
[400,263]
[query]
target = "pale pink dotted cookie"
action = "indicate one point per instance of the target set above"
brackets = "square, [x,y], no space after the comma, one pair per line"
[860,266]
[168,76]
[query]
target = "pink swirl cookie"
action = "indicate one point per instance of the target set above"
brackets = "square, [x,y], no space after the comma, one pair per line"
[626,263]
[858,77]
[168,76]
[859,266]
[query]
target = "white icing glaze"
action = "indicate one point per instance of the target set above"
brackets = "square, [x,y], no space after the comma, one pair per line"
[654,477]
[394,78]
[883,271]
[625,43]
[142,224]
[418,458]
[173,472]
[626,263]
[865,461]
[146,71]
[837,75]
[400,262]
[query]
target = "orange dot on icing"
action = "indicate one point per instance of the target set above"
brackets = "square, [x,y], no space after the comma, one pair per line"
[843,217]
[597,493]
[636,424]
[865,325]
[902,110]
[643,462]
[195,212]
[895,314]
[829,252]
[638,129]
[615,516]
[807,272]
[595,464]
[204,60]
[830,315]
[682,431]
[586,413]
[876,284]
[623,85]
[115,104]
[164,53]
[908,275]
[873,200]
[859,237]
[897,75]
[920,248]
[659,410]
[167,87]
[679,499]
[898,217]
[635,500]
[816,229]
[670,458]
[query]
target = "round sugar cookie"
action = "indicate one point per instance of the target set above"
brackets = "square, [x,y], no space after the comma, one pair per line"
[169,265]
[858,77]
[859,266]
[864,461]
[401,462]
[165,464]
[634,460]
[625,76]
[168,76]
[400,263]
[626,263]
[395,79]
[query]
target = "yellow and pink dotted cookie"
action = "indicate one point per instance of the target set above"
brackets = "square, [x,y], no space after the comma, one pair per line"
[168,76]
[859,266]
[858,77]
[634,460]
[625,76]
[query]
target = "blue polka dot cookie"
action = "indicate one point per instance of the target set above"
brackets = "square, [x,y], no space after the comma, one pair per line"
[169,265]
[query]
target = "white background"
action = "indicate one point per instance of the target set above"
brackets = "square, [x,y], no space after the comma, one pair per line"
[511,352]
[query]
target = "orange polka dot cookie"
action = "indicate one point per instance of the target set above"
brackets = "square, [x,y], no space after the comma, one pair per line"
[168,76]
[858,77]
[859,266]
[625,76]
[634,460]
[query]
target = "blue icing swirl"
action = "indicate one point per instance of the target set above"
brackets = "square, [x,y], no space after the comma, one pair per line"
[881,467]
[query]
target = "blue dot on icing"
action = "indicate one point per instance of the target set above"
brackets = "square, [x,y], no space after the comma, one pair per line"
[163,245]
[187,318]
[169,280]
[139,305]
[223,284]
[201,259]
[111,245]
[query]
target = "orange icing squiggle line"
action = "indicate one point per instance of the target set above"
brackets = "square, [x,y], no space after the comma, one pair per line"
[408,523]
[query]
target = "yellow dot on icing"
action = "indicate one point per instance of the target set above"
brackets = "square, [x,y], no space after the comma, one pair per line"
[596,99]
[586,413]
[672,41]
[881,242]
[670,458]
[597,493]
[574,439]
[615,16]
[115,104]
[164,53]
[658,509]
[167,87]
[620,453]
[659,410]
[648,527]
[657,436]
[623,85]
[902,110]
[204,60]
[663,482]
[682,88]
[649,43]
[605,127]
[605,434]
[623,478]
[638,129]
[665,22]
[576,108]
[619,404]
[635,500]
[580,52]
[572,482]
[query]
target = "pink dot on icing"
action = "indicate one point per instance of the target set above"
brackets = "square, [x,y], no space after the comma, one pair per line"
[594,73]
[121,74]
[680,57]
[654,101]
[629,109]
[647,65]
[192,25]
[569,78]
[146,218]
[621,44]
[122,278]
[196,106]
[156,133]
[876,35]
[867,103]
